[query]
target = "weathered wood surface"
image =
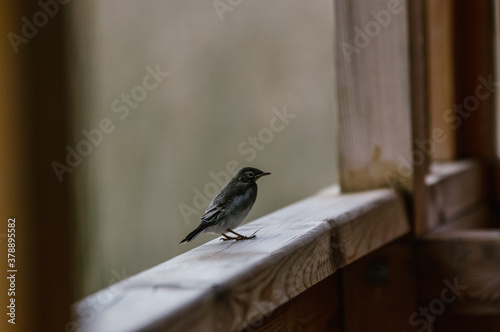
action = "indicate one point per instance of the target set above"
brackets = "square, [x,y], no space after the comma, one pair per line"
[374,93]
[469,259]
[455,187]
[226,286]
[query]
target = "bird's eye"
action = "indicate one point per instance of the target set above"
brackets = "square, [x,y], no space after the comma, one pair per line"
[250,174]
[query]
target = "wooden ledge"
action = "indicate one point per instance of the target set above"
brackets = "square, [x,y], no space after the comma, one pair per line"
[227,286]
[454,188]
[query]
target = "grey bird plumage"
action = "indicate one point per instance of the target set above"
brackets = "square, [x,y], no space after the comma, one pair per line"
[231,206]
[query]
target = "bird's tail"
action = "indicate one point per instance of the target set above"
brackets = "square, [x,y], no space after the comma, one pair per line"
[195,233]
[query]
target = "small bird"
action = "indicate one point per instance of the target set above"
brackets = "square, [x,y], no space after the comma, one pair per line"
[231,206]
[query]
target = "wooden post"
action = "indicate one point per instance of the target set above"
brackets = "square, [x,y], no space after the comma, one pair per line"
[421,143]
[374,94]
[36,118]
[476,87]
[441,82]
[381,112]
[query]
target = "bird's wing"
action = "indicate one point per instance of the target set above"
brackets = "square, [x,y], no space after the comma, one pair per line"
[219,207]
[213,214]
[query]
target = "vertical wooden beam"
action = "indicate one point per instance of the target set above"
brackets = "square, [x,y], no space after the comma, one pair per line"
[496,16]
[374,94]
[382,127]
[440,55]
[36,121]
[421,143]
[15,188]
[48,131]
[474,67]
[476,86]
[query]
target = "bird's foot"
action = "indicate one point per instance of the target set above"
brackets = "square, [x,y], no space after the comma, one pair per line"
[239,237]
[243,237]
[227,238]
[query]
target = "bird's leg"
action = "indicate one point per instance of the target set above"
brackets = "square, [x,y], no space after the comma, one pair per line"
[226,237]
[242,237]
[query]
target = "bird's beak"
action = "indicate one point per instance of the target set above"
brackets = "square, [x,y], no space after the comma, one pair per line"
[262,174]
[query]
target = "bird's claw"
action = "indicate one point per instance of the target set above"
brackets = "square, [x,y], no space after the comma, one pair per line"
[238,238]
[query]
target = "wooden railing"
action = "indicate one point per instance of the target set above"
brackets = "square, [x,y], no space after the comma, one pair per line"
[222,286]
[325,258]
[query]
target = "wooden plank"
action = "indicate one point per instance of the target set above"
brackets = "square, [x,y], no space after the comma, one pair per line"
[227,286]
[467,260]
[496,206]
[374,93]
[48,131]
[317,309]
[420,121]
[14,173]
[478,217]
[380,289]
[454,188]
[36,117]
[441,85]
[475,81]
[477,87]
[496,18]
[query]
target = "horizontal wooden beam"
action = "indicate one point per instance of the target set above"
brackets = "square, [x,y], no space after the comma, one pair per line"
[466,263]
[478,217]
[454,188]
[229,286]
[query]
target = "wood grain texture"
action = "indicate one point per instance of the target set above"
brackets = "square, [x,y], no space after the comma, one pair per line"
[380,289]
[374,93]
[227,286]
[467,258]
[454,187]
[441,84]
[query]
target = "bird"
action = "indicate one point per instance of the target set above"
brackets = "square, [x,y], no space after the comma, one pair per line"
[231,206]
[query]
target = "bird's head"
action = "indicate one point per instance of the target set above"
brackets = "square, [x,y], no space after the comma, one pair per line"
[250,174]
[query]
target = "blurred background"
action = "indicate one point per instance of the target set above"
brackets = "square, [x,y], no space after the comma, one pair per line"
[173,95]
